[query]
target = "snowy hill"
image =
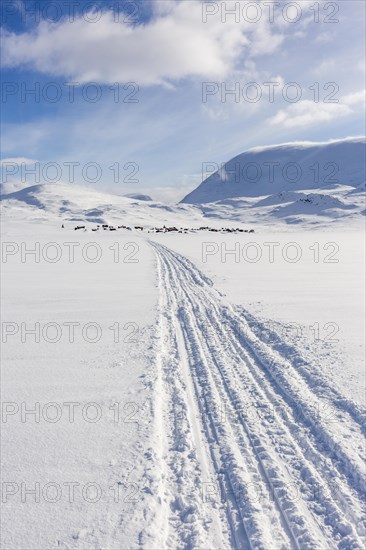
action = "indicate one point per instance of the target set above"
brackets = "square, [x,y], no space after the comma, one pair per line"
[298,166]
[75,203]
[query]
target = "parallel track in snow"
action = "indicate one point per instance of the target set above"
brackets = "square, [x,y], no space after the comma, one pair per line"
[284,479]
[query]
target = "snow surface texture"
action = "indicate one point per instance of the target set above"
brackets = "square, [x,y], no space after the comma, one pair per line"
[233,429]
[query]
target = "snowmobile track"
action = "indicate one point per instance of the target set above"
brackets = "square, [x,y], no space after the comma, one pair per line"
[257,425]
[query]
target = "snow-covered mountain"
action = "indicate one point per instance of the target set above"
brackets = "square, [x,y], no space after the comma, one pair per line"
[298,166]
[329,186]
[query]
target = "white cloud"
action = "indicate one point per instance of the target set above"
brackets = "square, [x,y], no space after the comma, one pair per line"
[17,160]
[174,44]
[355,98]
[307,112]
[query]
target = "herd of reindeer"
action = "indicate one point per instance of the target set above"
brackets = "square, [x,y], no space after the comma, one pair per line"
[164,229]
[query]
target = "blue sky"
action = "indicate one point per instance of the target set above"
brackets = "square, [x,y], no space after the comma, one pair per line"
[158,55]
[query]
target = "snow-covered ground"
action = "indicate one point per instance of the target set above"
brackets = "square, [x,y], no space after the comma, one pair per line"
[191,390]
[86,377]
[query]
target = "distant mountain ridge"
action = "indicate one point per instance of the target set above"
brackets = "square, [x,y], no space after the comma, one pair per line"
[298,166]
